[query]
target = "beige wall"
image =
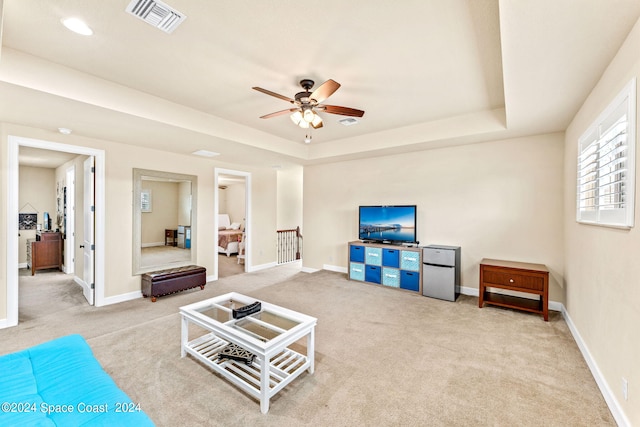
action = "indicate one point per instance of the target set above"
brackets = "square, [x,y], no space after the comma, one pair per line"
[3,220]
[164,211]
[120,161]
[498,199]
[290,198]
[184,203]
[235,203]
[603,290]
[37,189]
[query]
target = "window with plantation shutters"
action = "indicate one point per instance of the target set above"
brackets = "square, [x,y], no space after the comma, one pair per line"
[606,164]
[145,201]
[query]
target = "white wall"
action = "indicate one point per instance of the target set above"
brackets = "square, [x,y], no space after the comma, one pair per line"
[602,270]
[501,199]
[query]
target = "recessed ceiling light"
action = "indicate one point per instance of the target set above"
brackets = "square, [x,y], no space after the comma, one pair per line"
[77,26]
[65,131]
[205,153]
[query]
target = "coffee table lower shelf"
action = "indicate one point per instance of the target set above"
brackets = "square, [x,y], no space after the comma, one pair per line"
[283,367]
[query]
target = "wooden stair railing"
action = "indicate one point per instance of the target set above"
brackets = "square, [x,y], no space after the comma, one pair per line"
[289,245]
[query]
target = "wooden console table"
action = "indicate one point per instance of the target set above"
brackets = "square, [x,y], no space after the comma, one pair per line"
[45,252]
[515,276]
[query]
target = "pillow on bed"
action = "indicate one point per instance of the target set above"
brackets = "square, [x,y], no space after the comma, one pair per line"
[234,226]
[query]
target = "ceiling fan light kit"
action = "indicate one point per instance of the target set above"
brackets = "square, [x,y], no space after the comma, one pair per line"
[306,103]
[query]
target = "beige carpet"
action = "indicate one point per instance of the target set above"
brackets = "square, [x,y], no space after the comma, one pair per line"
[383,358]
[159,255]
[228,266]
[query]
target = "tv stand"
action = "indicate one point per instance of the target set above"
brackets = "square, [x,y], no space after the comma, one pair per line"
[396,266]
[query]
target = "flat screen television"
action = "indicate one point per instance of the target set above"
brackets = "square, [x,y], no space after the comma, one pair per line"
[388,224]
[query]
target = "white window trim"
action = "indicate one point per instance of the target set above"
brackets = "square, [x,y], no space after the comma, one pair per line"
[625,217]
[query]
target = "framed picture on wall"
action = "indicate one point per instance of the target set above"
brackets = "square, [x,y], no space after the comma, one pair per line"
[27,221]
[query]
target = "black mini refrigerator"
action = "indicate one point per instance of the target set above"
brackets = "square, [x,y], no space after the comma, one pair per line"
[441,272]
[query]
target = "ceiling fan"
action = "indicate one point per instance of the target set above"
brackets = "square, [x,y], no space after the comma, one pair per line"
[308,103]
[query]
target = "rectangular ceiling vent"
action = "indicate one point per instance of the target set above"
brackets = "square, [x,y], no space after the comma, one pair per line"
[156,13]
[349,121]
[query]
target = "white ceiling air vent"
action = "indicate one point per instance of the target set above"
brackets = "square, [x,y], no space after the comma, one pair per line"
[349,121]
[156,13]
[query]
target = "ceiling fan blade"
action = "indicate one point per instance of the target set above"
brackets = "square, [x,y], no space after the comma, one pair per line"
[277,95]
[343,111]
[279,113]
[325,90]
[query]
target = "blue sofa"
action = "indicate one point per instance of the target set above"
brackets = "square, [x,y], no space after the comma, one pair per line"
[60,383]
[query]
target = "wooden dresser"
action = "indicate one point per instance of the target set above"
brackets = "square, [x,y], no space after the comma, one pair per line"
[45,251]
[515,276]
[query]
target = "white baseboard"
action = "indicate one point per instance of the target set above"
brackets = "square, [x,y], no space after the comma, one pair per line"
[22,265]
[261,267]
[473,292]
[149,245]
[335,268]
[121,298]
[609,397]
[114,299]
[4,323]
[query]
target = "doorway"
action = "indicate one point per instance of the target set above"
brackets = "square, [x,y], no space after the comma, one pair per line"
[233,200]
[14,144]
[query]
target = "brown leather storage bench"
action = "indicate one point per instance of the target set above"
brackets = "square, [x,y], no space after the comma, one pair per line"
[164,282]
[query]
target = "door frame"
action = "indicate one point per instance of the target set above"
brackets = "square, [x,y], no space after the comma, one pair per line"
[247,209]
[13,144]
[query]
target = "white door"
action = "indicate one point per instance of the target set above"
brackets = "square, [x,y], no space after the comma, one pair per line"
[70,224]
[88,242]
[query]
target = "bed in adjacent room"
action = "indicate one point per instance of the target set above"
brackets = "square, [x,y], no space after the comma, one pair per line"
[229,234]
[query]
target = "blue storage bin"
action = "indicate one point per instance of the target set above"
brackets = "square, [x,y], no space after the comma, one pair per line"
[391,258]
[391,277]
[356,253]
[410,260]
[373,256]
[410,280]
[373,274]
[356,271]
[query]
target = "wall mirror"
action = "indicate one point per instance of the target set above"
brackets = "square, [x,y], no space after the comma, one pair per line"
[164,220]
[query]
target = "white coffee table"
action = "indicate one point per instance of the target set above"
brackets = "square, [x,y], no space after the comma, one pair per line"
[267,334]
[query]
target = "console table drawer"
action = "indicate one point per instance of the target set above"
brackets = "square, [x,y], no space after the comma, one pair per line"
[512,280]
